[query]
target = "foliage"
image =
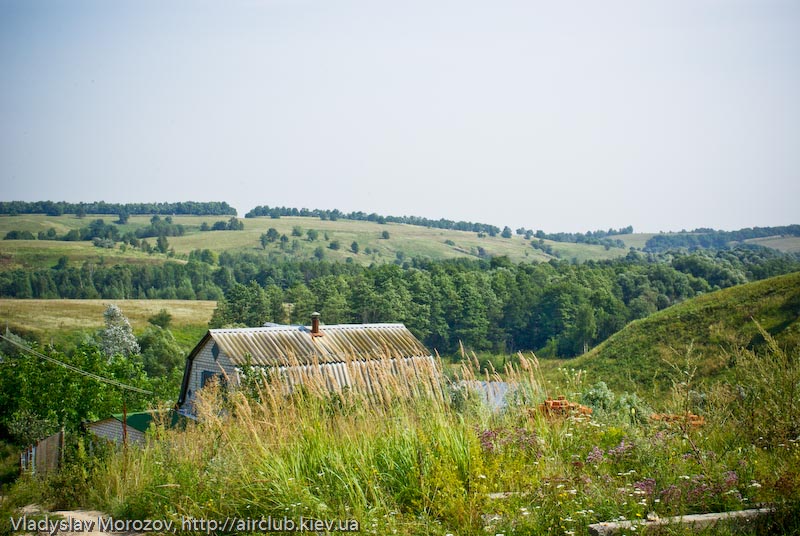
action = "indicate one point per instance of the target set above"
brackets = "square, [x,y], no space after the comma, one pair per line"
[44,396]
[161,319]
[160,351]
[590,237]
[710,238]
[117,338]
[101,207]
[19,235]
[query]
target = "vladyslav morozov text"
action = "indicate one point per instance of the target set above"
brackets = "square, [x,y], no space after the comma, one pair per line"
[185,525]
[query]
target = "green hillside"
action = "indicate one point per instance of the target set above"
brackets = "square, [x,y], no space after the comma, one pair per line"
[708,329]
[404,242]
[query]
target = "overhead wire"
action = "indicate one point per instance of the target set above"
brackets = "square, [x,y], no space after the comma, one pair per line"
[73,368]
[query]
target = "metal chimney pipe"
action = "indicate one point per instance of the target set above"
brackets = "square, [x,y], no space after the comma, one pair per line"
[315,332]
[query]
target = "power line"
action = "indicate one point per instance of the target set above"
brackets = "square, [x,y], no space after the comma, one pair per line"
[73,368]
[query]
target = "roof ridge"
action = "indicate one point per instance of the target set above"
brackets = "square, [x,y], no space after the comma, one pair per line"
[380,325]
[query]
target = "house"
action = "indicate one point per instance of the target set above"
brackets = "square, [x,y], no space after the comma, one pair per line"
[352,356]
[135,426]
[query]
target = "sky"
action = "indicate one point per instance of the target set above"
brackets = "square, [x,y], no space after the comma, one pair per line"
[560,116]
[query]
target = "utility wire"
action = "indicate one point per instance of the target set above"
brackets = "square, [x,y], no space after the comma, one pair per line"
[115,383]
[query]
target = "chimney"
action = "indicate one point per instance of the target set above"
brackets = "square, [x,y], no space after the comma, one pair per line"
[315,332]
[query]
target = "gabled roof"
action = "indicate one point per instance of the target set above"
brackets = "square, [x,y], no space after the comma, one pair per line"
[287,345]
[276,345]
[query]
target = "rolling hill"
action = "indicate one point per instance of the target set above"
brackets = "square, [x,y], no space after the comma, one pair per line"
[703,332]
[404,242]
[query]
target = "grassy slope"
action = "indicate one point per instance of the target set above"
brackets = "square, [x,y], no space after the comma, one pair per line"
[411,240]
[787,244]
[713,325]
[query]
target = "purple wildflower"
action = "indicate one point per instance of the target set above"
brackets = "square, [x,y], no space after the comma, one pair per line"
[671,494]
[487,438]
[595,456]
[620,449]
[648,486]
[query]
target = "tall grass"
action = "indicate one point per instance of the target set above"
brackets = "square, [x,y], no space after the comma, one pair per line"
[419,457]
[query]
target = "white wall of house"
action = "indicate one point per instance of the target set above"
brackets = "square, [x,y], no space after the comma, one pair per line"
[205,362]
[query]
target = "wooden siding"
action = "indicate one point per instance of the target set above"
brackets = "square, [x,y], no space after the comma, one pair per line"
[111,429]
[204,362]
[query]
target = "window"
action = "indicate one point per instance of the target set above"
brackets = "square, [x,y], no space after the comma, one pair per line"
[206,376]
[215,351]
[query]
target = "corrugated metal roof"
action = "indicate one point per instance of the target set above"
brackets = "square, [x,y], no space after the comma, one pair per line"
[278,345]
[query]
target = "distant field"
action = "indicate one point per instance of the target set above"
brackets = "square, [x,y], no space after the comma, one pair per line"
[405,241]
[44,316]
[634,240]
[787,244]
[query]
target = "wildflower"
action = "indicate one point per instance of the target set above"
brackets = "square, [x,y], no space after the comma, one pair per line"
[621,449]
[646,486]
[487,439]
[671,494]
[754,484]
[595,456]
[731,479]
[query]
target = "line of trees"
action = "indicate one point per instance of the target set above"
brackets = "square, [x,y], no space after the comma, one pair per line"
[598,237]
[335,214]
[712,239]
[106,235]
[58,208]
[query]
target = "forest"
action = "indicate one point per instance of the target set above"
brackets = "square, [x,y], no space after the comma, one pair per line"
[559,308]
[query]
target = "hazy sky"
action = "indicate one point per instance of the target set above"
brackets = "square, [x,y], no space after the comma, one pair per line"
[561,116]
